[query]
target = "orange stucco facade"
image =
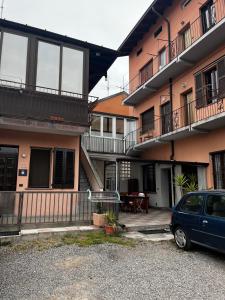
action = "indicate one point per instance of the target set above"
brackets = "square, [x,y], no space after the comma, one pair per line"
[193,148]
[27,140]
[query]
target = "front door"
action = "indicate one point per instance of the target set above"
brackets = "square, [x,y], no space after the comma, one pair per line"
[188,109]
[8,168]
[110,176]
[166,118]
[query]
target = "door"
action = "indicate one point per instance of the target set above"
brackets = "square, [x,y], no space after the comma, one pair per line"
[166,188]
[8,168]
[188,109]
[166,118]
[110,176]
[213,222]
[190,217]
[208,13]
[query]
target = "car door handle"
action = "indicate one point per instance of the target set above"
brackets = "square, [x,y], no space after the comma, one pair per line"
[205,222]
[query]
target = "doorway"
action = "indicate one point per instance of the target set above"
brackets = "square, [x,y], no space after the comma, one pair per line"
[188,108]
[166,188]
[110,176]
[166,118]
[8,168]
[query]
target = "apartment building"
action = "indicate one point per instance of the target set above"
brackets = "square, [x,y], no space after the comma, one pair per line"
[45,80]
[111,122]
[177,89]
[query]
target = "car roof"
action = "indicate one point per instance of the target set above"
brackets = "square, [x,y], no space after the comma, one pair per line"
[219,191]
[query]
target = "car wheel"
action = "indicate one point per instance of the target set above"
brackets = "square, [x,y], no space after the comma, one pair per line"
[181,239]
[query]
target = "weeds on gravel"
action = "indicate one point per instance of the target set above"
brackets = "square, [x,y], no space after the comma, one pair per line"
[81,240]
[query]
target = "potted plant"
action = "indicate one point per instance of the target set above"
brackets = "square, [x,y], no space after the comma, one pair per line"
[99,218]
[111,223]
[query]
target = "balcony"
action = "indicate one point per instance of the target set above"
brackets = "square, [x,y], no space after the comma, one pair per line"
[103,145]
[180,57]
[41,109]
[194,118]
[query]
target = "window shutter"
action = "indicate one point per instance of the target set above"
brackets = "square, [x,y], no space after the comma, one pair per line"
[221,77]
[69,174]
[199,91]
[58,169]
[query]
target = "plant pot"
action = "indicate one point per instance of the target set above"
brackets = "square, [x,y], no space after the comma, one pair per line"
[110,230]
[99,219]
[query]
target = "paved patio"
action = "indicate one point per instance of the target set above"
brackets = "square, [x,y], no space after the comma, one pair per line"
[155,218]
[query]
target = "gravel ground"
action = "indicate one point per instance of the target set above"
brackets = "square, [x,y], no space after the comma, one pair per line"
[148,271]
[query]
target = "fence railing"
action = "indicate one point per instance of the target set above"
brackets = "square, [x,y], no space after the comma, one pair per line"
[196,30]
[212,104]
[39,208]
[103,145]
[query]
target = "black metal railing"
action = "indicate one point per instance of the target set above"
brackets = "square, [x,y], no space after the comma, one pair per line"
[177,46]
[39,208]
[42,104]
[103,145]
[210,105]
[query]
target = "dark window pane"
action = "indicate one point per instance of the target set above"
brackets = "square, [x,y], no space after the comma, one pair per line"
[96,123]
[146,72]
[216,205]
[148,120]
[149,182]
[192,204]
[39,168]
[107,125]
[119,125]
[219,170]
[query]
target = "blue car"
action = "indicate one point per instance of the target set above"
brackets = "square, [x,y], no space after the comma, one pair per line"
[199,218]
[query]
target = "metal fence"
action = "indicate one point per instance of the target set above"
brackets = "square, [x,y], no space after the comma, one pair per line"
[18,209]
[103,144]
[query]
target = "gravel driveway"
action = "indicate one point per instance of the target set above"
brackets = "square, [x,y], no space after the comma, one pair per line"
[148,271]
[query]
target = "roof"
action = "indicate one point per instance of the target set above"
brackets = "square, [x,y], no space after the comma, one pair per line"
[112,96]
[147,20]
[101,58]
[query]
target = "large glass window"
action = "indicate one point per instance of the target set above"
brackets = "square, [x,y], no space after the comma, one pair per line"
[119,125]
[107,125]
[147,119]
[96,125]
[219,170]
[72,70]
[14,58]
[48,65]
[149,181]
[162,58]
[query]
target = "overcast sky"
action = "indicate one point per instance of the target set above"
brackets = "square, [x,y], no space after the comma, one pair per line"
[103,22]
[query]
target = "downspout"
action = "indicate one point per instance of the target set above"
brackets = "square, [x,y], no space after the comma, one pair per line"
[168,28]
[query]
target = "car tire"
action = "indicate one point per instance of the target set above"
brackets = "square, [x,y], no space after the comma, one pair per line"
[181,239]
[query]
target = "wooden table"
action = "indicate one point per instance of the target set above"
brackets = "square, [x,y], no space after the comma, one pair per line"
[135,203]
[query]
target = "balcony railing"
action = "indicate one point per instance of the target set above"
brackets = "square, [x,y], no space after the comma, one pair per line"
[177,46]
[107,145]
[21,101]
[210,107]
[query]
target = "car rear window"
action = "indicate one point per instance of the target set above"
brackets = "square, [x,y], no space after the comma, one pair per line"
[215,205]
[192,204]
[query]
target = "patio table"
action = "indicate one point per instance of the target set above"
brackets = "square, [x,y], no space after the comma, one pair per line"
[138,203]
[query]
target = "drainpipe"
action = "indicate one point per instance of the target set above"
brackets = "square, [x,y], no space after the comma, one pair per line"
[168,27]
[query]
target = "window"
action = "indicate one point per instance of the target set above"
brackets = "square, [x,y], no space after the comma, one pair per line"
[125,170]
[64,169]
[39,168]
[96,124]
[146,72]
[107,125]
[216,205]
[210,84]
[119,125]
[192,204]
[149,183]
[158,31]
[14,58]
[186,39]
[219,170]
[139,52]
[147,119]
[131,125]
[48,66]
[72,70]
[208,13]
[162,58]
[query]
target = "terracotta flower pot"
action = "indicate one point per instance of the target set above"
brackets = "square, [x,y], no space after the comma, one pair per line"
[110,230]
[99,219]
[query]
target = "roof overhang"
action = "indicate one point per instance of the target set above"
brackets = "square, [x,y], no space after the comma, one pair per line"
[147,20]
